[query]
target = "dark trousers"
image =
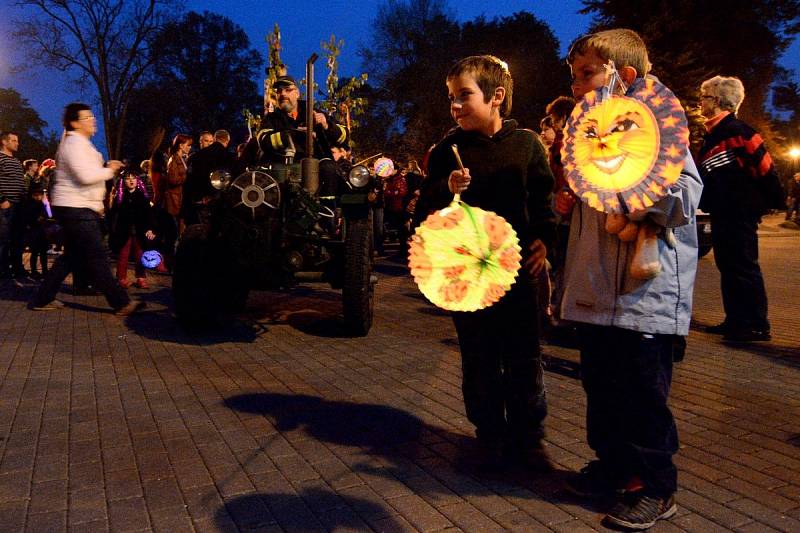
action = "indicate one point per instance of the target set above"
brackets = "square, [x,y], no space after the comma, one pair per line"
[744,296]
[168,226]
[12,236]
[627,376]
[39,255]
[83,250]
[503,385]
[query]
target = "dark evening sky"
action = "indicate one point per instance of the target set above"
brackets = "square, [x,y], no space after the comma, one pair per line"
[302,30]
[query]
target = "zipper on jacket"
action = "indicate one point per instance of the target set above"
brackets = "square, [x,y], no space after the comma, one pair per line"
[680,289]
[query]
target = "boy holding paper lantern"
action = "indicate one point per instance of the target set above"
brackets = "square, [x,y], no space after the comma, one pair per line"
[630,321]
[506,171]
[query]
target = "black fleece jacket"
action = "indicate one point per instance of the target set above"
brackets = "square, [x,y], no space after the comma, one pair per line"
[510,176]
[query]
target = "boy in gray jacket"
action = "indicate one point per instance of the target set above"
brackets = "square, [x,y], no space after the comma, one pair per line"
[628,326]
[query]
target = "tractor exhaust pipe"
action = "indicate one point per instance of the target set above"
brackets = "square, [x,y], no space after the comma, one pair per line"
[310,166]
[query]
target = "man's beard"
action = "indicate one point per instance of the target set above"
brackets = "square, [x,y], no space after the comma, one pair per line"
[286,106]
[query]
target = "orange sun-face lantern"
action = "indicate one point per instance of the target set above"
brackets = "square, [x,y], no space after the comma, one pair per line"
[621,153]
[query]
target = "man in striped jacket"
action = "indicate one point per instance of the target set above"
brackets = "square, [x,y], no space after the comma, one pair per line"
[12,192]
[736,170]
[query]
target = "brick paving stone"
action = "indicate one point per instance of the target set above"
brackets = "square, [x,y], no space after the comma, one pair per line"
[468,518]
[96,526]
[14,485]
[342,519]
[432,491]
[543,511]
[128,515]
[419,513]
[162,493]
[295,468]
[766,515]
[722,515]
[12,515]
[86,505]
[48,496]
[123,484]
[47,522]
[230,480]
[769,498]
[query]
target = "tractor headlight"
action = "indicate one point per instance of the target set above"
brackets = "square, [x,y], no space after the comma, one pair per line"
[220,179]
[358,176]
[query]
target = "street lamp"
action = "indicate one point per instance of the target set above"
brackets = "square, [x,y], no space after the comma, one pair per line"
[794,153]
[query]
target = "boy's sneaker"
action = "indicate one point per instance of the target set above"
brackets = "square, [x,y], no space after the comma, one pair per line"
[142,283]
[640,511]
[124,283]
[591,482]
[52,306]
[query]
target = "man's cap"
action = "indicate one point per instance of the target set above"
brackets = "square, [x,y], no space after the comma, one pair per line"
[284,81]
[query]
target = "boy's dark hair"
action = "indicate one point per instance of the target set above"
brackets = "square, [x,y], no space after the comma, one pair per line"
[28,163]
[546,122]
[490,73]
[4,135]
[625,47]
[72,113]
[561,107]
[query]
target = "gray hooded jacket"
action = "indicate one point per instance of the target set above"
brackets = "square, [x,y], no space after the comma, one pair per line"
[598,288]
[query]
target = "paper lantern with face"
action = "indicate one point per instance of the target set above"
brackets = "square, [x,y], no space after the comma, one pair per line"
[151,259]
[621,153]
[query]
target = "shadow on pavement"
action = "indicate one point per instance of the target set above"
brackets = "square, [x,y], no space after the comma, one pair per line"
[161,325]
[256,511]
[782,355]
[353,424]
[430,460]
[307,309]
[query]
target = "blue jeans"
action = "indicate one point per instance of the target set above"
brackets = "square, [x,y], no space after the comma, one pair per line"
[627,375]
[83,249]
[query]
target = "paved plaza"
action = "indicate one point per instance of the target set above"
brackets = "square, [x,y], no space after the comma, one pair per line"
[280,422]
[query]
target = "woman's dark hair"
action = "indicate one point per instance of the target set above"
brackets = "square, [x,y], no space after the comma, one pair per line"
[178,141]
[72,113]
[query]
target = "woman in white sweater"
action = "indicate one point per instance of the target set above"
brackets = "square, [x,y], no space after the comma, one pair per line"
[77,200]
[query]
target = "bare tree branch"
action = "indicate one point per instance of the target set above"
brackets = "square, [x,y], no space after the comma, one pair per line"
[105,41]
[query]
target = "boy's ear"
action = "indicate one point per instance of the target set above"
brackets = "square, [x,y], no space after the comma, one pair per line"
[628,75]
[499,96]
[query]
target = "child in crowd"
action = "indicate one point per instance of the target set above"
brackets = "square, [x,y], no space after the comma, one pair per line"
[34,217]
[132,225]
[548,134]
[557,113]
[506,171]
[628,328]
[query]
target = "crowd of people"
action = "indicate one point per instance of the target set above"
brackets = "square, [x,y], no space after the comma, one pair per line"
[630,330]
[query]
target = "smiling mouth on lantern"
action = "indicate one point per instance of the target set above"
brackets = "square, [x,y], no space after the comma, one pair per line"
[609,165]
